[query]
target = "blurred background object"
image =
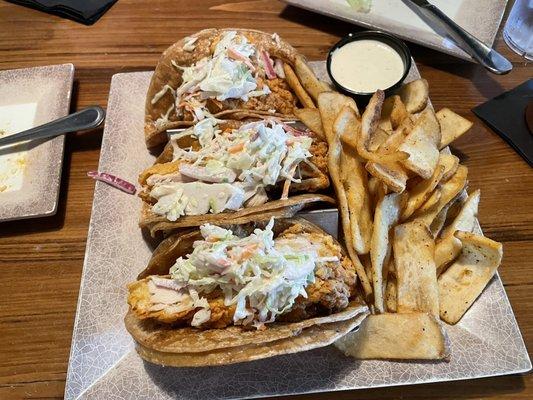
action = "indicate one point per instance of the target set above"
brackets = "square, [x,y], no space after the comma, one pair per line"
[518,30]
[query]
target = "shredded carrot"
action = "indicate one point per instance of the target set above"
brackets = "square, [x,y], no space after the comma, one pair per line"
[236,148]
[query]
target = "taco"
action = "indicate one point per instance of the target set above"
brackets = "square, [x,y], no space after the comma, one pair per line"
[243,292]
[223,73]
[233,172]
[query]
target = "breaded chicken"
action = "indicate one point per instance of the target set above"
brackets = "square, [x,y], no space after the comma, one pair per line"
[330,292]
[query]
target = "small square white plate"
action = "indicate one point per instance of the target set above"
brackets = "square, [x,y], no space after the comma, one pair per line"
[30,173]
[479,17]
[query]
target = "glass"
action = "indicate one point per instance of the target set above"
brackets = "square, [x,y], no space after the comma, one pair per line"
[518,30]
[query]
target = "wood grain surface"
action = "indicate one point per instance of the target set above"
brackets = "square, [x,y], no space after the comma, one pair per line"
[41,260]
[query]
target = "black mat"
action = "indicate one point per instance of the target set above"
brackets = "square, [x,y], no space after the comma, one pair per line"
[505,114]
[85,11]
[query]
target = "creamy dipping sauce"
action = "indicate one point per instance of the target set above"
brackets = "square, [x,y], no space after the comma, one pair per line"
[366,65]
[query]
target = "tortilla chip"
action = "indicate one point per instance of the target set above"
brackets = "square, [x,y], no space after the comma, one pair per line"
[414,251]
[354,179]
[370,120]
[452,126]
[462,283]
[308,79]
[466,219]
[450,163]
[416,336]
[296,86]
[448,191]
[386,215]
[391,294]
[330,105]
[394,111]
[440,219]
[392,174]
[422,145]
[446,250]
[314,337]
[419,194]
[311,118]
[377,139]
[415,95]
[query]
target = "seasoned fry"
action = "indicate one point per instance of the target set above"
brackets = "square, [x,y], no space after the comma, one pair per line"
[399,112]
[452,126]
[422,145]
[446,250]
[330,104]
[353,176]
[465,279]
[370,120]
[308,79]
[297,87]
[348,124]
[414,251]
[385,217]
[415,95]
[311,118]
[397,337]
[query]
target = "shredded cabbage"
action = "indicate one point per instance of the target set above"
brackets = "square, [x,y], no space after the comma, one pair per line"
[251,158]
[260,275]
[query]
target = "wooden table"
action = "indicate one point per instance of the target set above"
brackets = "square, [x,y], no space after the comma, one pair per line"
[41,260]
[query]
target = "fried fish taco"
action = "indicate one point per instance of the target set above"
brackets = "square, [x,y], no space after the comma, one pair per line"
[240,293]
[223,73]
[233,172]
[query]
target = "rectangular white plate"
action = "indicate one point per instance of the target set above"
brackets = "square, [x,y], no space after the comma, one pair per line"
[479,17]
[30,173]
[103,362]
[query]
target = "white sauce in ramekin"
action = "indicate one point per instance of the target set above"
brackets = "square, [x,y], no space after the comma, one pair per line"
[366,65]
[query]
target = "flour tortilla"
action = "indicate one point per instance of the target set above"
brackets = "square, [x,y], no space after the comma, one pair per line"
[187,346]
[277,208]
[311,338]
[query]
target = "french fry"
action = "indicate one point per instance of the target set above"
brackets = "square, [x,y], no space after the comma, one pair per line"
[462,283]
[422,145]
[386,216]
[308,79]
[414,251]
[330,104]
[311,118]
[296,86]
[357,134]
[354,179]
[415,95]
[416,336]
[452,126]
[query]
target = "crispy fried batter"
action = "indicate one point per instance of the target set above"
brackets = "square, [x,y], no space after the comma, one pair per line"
[333,287]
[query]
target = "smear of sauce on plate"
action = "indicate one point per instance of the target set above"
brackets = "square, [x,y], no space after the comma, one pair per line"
[13,159]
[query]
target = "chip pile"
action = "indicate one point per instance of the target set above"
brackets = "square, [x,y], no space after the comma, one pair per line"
[409,225]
